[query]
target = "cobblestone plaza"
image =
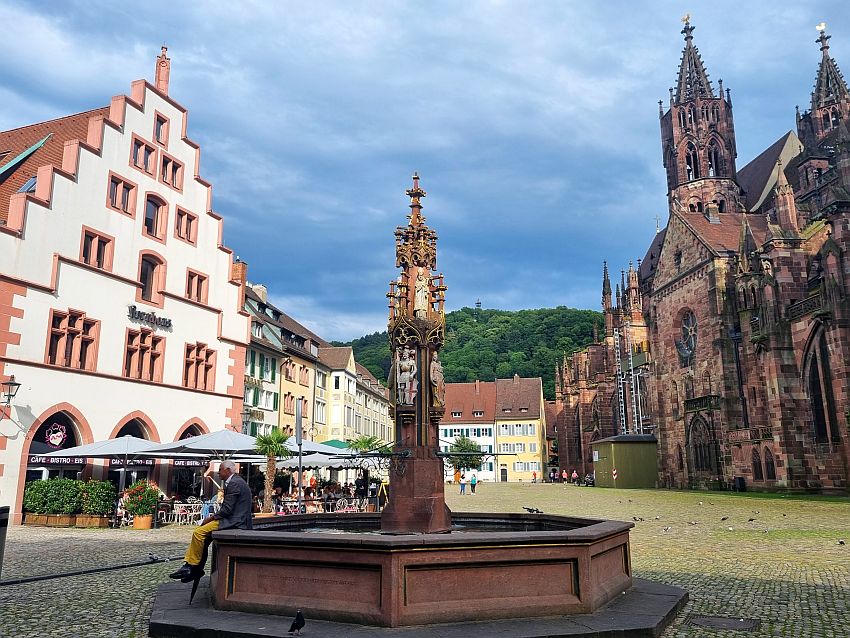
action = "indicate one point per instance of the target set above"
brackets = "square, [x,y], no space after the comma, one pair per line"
[785,569]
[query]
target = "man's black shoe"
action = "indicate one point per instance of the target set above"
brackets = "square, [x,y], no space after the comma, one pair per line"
[181,573]
[194,574]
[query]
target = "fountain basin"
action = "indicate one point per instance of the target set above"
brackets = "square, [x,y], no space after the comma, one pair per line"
[493,566]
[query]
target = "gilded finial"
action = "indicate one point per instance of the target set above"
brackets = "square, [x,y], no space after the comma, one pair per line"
[686,18]
[821,27]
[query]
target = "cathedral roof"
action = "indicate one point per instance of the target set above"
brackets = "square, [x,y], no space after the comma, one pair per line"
[646,270]
[693,80]
[758,178]
[725,237]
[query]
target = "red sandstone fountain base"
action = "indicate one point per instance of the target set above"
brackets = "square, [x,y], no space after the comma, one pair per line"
[496,566]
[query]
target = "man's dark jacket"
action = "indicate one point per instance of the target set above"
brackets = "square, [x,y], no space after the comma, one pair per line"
[235,510]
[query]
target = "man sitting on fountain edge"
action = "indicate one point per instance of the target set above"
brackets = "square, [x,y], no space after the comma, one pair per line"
[234,513]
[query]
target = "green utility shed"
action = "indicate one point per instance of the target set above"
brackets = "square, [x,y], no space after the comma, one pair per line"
[626,461]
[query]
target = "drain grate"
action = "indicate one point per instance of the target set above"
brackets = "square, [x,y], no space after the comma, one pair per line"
[721,622]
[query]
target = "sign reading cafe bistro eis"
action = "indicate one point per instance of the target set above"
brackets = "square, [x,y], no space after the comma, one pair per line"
[149,318]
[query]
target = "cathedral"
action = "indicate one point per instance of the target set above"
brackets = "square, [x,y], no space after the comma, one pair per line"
[729,342]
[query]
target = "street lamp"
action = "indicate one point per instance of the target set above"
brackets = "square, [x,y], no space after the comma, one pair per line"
[10,389]
[246,415]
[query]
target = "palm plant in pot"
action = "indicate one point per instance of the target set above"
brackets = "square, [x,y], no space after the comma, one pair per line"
[273,447]
[140,500]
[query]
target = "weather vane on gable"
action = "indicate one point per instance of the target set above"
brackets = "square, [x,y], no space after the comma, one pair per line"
[686,18]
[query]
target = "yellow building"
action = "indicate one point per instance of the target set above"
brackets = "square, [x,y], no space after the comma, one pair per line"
[520,429]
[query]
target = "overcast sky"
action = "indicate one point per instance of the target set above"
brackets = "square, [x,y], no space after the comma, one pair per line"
[534,126]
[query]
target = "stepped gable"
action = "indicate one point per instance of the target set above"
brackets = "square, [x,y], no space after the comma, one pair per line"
[19,140]
[467,398]
[758,178]
[519,396]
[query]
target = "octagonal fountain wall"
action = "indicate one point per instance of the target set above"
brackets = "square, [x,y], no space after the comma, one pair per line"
[340,567]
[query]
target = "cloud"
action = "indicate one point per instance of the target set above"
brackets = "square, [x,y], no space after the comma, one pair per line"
[534,126]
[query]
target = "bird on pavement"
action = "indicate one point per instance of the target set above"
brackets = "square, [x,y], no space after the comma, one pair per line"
[841,541]
[668,528]
[724,518]
[153,558]
[297,624]
[750,520]
[532,510]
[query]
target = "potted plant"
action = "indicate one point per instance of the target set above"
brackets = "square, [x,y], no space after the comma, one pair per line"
[35,503]
[140,500]
[98,503]
[64,500]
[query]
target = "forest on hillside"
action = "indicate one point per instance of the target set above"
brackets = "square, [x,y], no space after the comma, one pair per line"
[490,344]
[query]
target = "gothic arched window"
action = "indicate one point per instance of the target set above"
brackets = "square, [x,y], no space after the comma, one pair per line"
[680,457]
[692,116]
[715,113]
[715,161]
[700,446]
[687,345]
[769,465]
[692,162]
[689,387]
[819,387]
[721,205]
[825,120]
[835,118]
[682,121]
[757,473]
[704,112]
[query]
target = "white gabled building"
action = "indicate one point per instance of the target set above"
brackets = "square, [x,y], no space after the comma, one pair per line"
[119,310]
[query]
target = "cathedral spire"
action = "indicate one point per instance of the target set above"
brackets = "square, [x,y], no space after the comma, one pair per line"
[606,287]
[746,246]
[830,86]
[693,80]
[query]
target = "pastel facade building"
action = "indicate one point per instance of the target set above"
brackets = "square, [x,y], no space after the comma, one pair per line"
[471,413]
[119,312]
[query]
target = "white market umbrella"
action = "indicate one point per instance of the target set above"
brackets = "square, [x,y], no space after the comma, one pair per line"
[124,447]
[221,444]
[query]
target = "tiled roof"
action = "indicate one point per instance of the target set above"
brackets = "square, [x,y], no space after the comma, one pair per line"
[336,358]
[519,397]
[18,140]
[758,178]
[725,237]
[467,398]
[650,260]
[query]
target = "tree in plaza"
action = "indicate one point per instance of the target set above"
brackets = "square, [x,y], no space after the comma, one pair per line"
[365,443]
[465,454]
[273,447]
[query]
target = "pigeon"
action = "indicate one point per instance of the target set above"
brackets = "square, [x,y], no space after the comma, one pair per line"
[153,558]
[668,528]
[729,528]
[637,518]
[297,624]
[841,541]
[693,522]
[785,515]
[532,510]
[750,520]
[657,518]
[700,502]
[724,518]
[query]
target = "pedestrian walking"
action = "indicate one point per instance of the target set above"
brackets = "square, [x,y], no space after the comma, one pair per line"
[534,477]
[564,475]
[575,477]
[463,483]
[473,482]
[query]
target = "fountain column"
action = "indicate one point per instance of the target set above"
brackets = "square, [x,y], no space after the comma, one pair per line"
[416,331]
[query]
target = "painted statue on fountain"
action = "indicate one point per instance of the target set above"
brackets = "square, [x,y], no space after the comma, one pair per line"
[417,326]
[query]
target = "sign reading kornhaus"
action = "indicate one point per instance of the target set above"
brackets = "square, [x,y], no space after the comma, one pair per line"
[149,318]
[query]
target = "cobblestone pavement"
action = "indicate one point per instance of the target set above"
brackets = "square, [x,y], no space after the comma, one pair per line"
[785,568]
[794,578]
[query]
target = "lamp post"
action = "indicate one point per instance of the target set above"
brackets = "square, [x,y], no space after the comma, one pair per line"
[10,389]
[245,414]
[299,441]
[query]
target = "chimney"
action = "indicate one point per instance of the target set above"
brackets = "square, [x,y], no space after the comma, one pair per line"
[477,386]
[262,292]
[516,379]
[239,275]
[163,70]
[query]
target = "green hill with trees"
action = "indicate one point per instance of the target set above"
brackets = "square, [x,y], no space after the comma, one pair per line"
[491,344]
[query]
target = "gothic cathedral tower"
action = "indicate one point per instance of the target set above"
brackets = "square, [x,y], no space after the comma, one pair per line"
[698,140]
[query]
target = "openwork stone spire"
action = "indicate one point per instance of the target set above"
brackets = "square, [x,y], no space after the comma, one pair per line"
[830,86]
[693,80]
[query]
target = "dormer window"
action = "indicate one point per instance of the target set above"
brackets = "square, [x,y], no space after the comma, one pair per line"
[257,329]
[478,413]
[457,415]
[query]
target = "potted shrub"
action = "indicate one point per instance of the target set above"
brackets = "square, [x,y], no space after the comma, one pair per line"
[98,503]
[140,500]
[64,501]
[35,503]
